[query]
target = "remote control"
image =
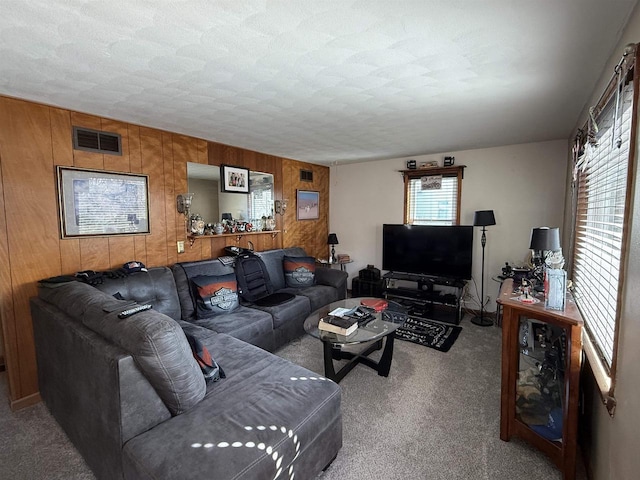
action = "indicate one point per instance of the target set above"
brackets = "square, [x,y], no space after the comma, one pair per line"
[133,310]
[227,260]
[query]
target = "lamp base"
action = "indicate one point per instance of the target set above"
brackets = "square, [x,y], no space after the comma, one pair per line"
[482,321]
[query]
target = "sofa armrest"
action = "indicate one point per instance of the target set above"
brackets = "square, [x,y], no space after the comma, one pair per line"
[333,278]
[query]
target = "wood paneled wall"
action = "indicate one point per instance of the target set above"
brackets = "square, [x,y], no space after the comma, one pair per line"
[34,138]
[312,234]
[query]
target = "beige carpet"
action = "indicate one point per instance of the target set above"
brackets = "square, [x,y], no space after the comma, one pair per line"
[435,417]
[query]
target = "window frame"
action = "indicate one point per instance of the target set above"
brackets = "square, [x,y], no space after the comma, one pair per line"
[454,171]
[604,374]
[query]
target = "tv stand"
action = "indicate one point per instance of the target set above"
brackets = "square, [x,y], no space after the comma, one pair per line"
[434,298]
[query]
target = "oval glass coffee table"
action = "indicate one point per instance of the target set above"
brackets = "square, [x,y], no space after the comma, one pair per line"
[382,327]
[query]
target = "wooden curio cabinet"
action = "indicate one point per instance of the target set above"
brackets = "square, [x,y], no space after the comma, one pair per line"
[541,357]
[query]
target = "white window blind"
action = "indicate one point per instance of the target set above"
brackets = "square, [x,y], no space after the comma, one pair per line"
[433,207]
[601,177]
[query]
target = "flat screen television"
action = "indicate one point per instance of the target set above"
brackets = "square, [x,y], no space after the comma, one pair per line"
[437,251]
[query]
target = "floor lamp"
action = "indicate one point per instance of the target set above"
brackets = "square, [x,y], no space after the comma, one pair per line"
[483,218]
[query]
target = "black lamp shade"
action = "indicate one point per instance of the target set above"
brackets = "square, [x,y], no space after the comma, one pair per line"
[333,239]
[483,218]
[545,238]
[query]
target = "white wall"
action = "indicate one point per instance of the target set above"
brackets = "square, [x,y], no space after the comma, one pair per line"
[613,451]
[523,184]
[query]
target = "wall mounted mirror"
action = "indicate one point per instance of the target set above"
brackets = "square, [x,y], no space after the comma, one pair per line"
[211,203]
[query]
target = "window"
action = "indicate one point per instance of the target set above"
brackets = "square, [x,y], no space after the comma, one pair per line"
[261,201]
[433,198]
[602,194]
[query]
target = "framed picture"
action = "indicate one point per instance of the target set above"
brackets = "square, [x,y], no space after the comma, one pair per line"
[99,203]
[234,179]
[307,205]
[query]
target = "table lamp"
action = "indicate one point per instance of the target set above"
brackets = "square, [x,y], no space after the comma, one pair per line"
[545,242]
[544,239]
[333,241]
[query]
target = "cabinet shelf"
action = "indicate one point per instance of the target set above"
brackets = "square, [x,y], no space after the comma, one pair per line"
[238,235]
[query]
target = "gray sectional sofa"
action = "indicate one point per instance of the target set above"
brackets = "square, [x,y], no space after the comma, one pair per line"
[133,400]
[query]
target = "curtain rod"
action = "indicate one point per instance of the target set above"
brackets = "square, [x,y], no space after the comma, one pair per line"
[626,63]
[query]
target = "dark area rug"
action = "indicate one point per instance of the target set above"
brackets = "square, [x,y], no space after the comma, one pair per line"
[428,333]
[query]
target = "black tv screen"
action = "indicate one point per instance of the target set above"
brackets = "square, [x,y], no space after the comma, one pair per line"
[438,251]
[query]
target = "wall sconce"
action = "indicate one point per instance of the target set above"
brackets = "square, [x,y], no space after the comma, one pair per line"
[183,204]
[281,206]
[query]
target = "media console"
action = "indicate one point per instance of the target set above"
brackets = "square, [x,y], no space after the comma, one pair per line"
[433,298]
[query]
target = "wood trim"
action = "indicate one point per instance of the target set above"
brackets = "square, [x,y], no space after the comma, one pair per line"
[610,399]
[454,171]
[25,402]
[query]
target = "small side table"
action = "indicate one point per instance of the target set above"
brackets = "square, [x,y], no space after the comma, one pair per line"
[343,265]
[325,263]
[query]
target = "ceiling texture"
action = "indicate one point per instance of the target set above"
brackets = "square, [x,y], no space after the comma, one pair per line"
[319,81]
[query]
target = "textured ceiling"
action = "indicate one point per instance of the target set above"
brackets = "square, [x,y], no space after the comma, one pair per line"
[320,81]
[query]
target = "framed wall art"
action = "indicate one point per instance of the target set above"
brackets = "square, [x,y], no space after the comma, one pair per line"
[307,205]
[99,203]
[234,179]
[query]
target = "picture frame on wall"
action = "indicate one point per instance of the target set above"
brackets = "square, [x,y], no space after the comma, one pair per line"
[102,203]
[234,179]
[307,204]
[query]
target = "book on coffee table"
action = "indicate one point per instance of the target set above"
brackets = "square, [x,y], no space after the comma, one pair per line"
[378,304]
[340,325]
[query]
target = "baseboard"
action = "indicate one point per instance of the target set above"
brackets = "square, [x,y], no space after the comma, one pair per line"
[25,402]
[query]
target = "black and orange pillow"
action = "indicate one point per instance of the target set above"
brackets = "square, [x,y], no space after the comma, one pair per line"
[299,271]
[215,294]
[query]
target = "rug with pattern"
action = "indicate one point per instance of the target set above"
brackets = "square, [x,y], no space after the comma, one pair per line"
[428,333]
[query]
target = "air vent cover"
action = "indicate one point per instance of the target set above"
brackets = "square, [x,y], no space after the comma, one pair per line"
[97,141]
[306,175]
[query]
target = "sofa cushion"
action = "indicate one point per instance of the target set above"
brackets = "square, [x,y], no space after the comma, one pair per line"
[215,294]
[155,287]
[273,260]
[288,318]
[318,295]
[299,271]
[289,421]
[248,324]
[154,340]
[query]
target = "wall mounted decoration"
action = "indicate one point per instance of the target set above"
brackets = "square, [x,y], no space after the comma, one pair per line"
[307,205]
[234,179]
[99,203]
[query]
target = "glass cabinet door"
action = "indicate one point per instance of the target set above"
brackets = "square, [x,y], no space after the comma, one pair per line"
[540,385]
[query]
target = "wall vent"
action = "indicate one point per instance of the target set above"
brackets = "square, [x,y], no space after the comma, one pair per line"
[306,175]
[97,141]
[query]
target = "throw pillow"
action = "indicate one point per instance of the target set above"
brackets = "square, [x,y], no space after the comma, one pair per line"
[299,271]
[215,294]
[210,369]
